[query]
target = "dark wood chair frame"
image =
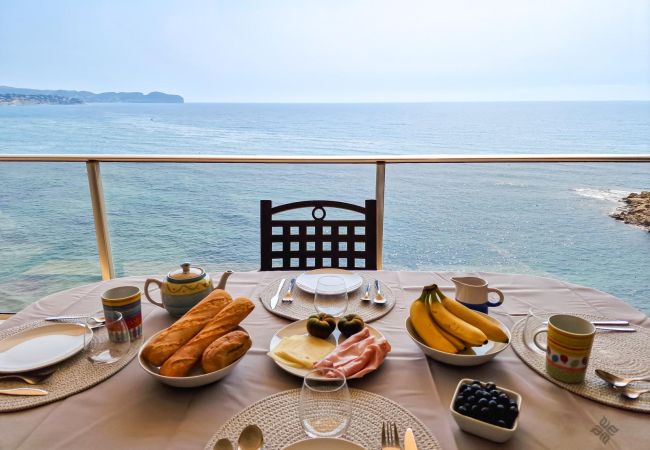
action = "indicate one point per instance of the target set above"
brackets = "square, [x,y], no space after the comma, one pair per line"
[341,236]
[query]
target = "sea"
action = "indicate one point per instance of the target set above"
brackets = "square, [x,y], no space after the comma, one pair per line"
[550,220]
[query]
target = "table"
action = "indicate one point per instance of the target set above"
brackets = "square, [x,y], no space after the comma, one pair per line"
[132,410]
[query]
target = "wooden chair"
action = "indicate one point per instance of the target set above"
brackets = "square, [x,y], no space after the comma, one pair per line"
[318,242]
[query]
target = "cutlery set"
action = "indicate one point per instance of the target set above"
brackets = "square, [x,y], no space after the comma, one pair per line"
[621,384]
[378,299]
[390,438]
[288,295]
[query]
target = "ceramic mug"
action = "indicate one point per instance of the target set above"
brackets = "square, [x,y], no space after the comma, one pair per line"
[125,300]
[473,293]
[568,347]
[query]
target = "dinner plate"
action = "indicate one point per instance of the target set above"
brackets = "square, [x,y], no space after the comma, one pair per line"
[324,444]
[41,346]
[300,327]
[307,281]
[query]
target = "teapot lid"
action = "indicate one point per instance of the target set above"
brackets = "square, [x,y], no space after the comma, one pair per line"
[186,273]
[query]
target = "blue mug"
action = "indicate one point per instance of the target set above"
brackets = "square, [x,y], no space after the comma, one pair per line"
[473,293]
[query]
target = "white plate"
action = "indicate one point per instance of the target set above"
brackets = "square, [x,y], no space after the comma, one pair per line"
[307,281]
[300,327]
[41,347]
[196,376]
[480,355]
[324,444]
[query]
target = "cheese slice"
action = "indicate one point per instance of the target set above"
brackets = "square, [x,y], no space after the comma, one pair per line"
[301,351]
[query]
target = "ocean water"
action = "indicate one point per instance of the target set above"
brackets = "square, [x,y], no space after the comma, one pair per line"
[545,219]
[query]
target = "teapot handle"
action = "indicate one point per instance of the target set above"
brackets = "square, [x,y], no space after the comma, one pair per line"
[146,290]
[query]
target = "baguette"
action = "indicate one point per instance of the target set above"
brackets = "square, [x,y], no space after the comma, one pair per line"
[180,363]
[185,328]
[225,350]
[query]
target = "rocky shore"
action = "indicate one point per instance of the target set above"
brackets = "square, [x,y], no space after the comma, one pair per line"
[636,210]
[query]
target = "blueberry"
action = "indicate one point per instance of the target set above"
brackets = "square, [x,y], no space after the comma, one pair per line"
[483,402]
[492,404]
[501,410]
[512,412]
[462,410]
[471,399]
[513,403]
[474,410]
[497,392]
[477,382]
[489,386]
[485,412]
[502,423]
[504,399]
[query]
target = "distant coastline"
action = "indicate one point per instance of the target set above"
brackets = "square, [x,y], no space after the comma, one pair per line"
[22,96]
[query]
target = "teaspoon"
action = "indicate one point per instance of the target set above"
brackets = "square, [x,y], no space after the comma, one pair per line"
[251,438]
[633,393]
[617,381]
[223,444]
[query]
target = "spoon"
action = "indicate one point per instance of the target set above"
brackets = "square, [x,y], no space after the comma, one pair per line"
[223,444]
[99,320]
[617,381]
[34,377]
[632,393]
[251,438]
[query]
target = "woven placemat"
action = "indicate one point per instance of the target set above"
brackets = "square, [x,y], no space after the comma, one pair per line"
[625,354]
[73,375]
[277,417]
[303,302]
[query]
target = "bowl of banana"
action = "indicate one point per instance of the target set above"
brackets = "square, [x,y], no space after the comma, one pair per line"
[449,332]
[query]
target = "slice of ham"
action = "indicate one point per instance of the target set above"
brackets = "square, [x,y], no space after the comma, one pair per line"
[358,355]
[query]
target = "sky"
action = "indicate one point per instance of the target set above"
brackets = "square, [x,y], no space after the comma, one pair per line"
[332,51]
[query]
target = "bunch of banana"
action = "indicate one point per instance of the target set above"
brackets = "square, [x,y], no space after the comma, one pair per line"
[449,326]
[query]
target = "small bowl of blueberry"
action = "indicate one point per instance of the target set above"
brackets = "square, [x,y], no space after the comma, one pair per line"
[486,410]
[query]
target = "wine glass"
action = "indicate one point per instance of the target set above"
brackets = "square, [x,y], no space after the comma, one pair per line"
[325,404]
[331,295]
[109,343]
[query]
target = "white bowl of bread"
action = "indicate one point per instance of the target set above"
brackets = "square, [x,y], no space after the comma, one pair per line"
[201,347]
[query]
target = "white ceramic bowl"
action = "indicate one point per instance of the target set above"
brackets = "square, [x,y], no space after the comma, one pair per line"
[483,429]
[324,444]
[481,354]
[194,379]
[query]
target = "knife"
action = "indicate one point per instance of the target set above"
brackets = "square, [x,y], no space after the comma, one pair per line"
[409,440]
[276,297]
[23,391]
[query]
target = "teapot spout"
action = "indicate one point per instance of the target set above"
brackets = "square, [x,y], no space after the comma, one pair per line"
[224,279]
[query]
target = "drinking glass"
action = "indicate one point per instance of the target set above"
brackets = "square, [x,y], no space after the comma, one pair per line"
[109,343]
[325,404]
[331,295]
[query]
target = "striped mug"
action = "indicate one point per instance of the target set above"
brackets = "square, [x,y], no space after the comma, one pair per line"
[125,300]
[568,347]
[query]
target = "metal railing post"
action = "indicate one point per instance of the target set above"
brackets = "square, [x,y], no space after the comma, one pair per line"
[101,223]
[380,183]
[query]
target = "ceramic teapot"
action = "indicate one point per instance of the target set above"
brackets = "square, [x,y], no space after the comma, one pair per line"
[184,288]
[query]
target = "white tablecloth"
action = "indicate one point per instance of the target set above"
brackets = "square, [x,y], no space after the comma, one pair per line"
[132,410]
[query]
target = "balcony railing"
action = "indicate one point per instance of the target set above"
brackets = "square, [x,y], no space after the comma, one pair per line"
[380,162]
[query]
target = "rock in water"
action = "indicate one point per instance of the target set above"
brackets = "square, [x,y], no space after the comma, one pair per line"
[636,210]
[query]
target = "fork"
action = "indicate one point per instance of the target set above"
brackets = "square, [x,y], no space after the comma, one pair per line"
[288,296]
[389,436]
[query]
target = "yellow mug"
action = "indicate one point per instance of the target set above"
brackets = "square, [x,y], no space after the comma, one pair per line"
[568,347]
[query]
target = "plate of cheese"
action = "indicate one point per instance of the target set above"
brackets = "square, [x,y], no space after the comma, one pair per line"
[296,351]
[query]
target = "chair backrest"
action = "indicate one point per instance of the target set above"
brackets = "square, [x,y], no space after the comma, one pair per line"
[318,242]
